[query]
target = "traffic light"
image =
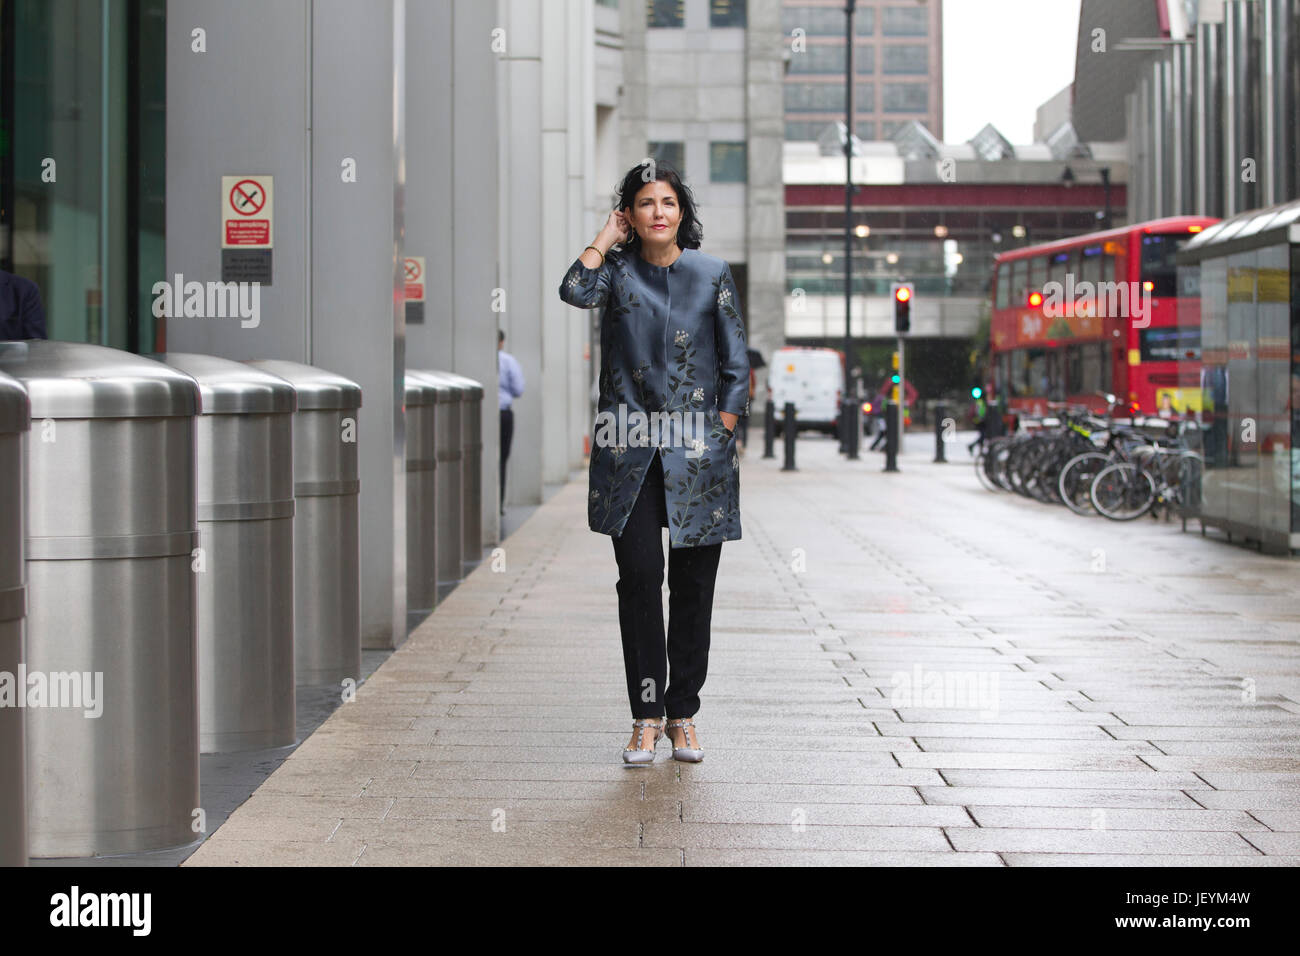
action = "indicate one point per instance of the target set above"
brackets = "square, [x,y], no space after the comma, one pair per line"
[976,392]
[902,293]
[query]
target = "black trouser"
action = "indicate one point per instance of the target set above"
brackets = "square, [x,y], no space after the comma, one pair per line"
[507,433]
[691,574]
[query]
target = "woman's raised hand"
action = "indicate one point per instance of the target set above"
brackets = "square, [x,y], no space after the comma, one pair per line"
[617,228]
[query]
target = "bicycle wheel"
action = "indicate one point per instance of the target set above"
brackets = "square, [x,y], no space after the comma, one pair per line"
[1123,491]
[1075,481]
[983,461]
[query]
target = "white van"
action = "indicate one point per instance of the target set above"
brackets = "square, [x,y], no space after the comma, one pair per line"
[812,378]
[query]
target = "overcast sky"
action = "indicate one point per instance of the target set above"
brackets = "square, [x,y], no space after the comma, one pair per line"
[1002,59]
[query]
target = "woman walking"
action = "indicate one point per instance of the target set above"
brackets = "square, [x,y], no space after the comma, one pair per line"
[674,379]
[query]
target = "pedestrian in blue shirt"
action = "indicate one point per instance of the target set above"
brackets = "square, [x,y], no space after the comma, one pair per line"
[674,380]
[510,385]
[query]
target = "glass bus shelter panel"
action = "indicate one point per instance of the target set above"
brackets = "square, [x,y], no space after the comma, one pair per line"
[1214,387]
[1273,291]
[1243,387]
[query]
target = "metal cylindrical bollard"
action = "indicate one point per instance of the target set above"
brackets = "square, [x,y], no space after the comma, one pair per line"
[450,481]
[113,763]
[788,432]
[326,526]
[471,468]
[244,494]
[769,429]
[940,415]
[891,437]
[852,430]
[421,497]
[15,418]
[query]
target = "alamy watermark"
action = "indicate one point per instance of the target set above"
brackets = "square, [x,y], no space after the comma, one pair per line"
[210,300]
[1122,300]
[953,690]
[67,689]
[624,428]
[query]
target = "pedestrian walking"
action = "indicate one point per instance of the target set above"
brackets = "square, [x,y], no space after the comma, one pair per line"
[672,340]
[510,385]
[979,414]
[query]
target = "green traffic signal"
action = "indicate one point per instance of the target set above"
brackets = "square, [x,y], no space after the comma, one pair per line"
[976,392]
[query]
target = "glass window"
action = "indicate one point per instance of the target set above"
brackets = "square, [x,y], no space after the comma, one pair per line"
[814,98]
[674,154]
[906,58]
[727,163]
[1004,287]
[826,21]
[864,96]
[726,13]
[913,21]
[864,58]
[1073,369]
[92,239]
[665,13]
[1158,266]
[906,98]
[818,58]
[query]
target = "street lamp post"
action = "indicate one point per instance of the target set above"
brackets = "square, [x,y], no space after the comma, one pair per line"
[850,384]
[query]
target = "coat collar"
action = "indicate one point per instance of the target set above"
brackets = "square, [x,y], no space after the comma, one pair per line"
[652,269]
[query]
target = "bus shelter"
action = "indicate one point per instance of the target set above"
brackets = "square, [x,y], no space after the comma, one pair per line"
[1248,269]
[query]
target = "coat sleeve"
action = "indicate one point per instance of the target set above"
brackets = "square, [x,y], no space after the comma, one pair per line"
[732,348]
[586,288]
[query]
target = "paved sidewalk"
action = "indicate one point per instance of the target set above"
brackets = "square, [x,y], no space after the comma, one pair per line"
[906,669]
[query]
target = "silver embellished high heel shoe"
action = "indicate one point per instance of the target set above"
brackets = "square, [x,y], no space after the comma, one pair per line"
[635,755]
[687,754]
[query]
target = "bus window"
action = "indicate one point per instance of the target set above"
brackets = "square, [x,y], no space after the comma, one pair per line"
[1090,265]
[1019,373]
[1037,273]
[1092,360]
[1017,291]
[1057,266]
[1003,286]
[1158,266]
[1074,369]
[1036,380]
[1055,385]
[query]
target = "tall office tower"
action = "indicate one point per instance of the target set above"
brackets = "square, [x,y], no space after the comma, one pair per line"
[897,66]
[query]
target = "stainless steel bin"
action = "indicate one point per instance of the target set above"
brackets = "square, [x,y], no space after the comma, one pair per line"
[326,529]
[471,467]
[244,493]
[450,480]
[421,501]
[110,599]
[15,418]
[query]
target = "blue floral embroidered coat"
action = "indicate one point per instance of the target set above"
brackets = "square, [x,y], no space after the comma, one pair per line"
[671,340]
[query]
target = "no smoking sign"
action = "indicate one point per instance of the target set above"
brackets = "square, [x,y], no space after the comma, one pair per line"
[246,218]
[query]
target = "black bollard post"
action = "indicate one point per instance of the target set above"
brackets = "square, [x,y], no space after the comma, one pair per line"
[891,437]
[852,428]
[788,433]
[841,419]
[940,416]
[769,429]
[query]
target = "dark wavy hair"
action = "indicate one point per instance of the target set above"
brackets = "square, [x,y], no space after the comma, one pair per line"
[689,231]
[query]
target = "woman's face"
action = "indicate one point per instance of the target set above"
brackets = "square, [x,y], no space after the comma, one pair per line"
[656,214]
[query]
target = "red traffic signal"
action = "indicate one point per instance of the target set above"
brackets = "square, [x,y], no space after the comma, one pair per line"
[902,292]
[1035,299]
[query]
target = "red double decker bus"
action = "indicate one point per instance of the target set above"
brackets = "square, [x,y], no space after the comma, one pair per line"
[1101,312]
